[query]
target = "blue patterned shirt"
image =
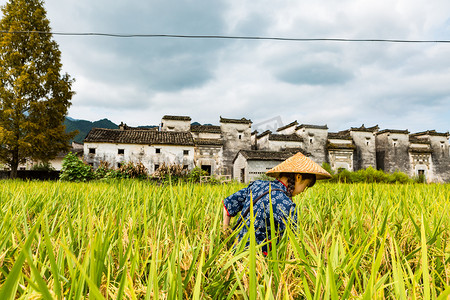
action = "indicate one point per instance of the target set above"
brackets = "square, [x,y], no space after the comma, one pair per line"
[283,208]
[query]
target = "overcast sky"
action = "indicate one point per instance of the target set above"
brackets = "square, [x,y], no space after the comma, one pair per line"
[341,84]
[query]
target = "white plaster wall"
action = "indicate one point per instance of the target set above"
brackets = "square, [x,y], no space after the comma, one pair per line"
[240,163]
[210,155]
[341,159]
[289,130]
[340,141]
[281,145]
[423,146]
[256,168]
[178,125]
[262,143]
[56,163]
[208,135]
[424,162]
[135,153]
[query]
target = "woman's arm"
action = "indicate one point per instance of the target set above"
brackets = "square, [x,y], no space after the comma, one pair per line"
[232,205]
[226,219]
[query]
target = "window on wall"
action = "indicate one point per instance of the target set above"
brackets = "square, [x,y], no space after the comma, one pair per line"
[310,140]
[91,150]
[121,151]
[240,136]
[158,150]
[156,167]
[185,167]
[119,165]
[185,152]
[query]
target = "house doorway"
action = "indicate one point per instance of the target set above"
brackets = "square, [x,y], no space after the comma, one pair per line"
[421,175]
[243,175]
[207,168]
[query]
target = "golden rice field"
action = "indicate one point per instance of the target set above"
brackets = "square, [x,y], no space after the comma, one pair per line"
[137,240]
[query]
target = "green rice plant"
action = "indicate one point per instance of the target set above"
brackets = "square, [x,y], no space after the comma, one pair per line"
[131,239]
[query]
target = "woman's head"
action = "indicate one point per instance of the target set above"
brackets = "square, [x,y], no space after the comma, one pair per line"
[299,164]
[297,182]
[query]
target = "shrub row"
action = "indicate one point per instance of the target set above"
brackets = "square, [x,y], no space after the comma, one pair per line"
[370,175]
[74,169]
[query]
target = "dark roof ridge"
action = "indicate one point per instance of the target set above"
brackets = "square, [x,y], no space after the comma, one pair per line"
[150,137]
[365,129]
[311,126]
[209,141]
[416,140]
[236,121]
[206,128]
[177,118]
[263,134]
[266,155]
[399,131]
[341,135]
[288,125]
[431,132]
[285,137]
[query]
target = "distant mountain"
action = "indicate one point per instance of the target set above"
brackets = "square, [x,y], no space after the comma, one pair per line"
[84,127]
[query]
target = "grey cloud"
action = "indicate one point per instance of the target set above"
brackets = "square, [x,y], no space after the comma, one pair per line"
[157,63]
[315,74]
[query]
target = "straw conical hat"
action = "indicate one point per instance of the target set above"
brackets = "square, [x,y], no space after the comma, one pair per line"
[299,164]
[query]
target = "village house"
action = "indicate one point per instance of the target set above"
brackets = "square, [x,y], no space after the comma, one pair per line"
[149,147]
[231,148]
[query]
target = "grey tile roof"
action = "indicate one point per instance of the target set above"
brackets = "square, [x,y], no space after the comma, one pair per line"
[416,140]
[263,134]
[288,125]
[431,132]
[266,155]
[311,126]
[208,142]
[341,135]
[285,137]
[420,149]
[393,131]
[237,121]
[206,128]
[340,146]
[177,118]
[365,129]
[116,136]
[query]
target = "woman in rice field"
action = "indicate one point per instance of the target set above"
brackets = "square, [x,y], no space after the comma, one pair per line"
[294,176]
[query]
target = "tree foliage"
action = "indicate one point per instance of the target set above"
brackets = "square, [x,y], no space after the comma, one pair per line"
[34,96]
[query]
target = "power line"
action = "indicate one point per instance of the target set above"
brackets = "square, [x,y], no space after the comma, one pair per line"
[226,37]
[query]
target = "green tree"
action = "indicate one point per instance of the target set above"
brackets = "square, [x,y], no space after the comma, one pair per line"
[34,96]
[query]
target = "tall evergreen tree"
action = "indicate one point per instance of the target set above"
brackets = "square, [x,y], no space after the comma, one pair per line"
[34,95]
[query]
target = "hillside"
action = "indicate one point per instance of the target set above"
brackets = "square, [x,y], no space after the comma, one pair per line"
[84,127]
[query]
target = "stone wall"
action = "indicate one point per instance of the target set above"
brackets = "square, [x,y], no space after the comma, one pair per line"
[236,136]
[365,153]
[440,157]
[314,142]
[210,156]
[392,152]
